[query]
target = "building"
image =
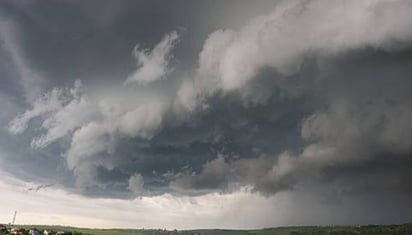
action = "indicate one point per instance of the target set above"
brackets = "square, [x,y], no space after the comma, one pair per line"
[34,231]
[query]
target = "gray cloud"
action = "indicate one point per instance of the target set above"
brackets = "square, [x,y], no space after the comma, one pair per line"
[312,96]
[356,131]
[30,80]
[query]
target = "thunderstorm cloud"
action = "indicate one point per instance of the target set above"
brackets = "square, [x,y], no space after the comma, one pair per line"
[147,99]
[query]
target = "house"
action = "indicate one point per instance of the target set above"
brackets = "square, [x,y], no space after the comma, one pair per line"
[3,228]
[34,231]
[15,231]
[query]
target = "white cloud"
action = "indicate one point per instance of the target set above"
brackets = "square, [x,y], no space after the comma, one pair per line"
[230,59]
[87,141]
[153,64]
[50,102]
[187,99]
[96,140]
[94,126]
[142,121]
[77,112]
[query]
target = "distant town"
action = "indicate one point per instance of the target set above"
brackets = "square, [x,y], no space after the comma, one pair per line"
[14,230]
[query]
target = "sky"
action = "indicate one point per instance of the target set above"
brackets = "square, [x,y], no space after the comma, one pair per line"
[205,114]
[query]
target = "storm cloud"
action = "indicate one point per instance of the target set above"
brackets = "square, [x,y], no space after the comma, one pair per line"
[309,96]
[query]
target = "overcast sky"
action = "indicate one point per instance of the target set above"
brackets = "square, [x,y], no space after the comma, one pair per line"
[201,114]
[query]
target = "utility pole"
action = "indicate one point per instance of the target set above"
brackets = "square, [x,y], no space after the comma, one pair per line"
[14,218]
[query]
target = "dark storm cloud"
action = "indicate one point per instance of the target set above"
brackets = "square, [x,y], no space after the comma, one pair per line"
[310,96]
[93,41]
[359,137]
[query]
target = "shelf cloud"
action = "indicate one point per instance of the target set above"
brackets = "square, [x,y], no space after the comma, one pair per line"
[309,96]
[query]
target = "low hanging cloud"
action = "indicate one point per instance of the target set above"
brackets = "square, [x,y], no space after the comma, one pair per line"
[314,92]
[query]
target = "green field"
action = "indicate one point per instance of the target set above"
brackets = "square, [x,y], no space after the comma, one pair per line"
[403,229]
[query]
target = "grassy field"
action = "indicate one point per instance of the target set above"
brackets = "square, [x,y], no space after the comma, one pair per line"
[403,229]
